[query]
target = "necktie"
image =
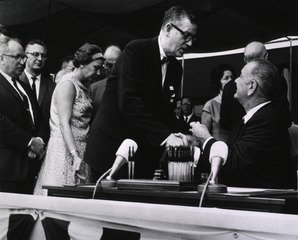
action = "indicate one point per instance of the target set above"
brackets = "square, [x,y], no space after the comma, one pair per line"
[164,60]
[33,86]
[186,119]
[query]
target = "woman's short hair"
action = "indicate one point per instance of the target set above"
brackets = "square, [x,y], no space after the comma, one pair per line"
[217,74]
[84,54]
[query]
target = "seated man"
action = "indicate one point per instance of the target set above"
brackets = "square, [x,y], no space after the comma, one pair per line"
[259,149]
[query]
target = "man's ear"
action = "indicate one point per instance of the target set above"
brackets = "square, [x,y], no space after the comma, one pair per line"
[168,27]
[252,87]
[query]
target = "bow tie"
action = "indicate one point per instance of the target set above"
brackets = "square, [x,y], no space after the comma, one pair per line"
[164,60]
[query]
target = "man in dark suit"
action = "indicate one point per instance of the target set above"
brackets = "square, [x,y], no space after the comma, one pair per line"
[232,111]
[139,98]
[41,86]
[187,115]
[259,149]
[20,149]
[96,89]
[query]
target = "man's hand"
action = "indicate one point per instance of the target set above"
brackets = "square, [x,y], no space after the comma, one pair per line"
[37,146]
[31,154]
[199,131]
[188,140]
[174,141]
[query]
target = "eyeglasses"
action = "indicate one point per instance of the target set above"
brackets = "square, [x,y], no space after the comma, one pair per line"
[37,54]
[186,104]
[16,57]
[186,35]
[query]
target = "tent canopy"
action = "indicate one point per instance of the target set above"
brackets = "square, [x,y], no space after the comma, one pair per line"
[65,25]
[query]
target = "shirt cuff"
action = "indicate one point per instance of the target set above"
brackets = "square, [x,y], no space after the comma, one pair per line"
[219,149]
[123,150]
[30,142]
[164,142]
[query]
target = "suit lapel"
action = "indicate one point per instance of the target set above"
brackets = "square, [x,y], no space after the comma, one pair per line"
[42,90]
[10,88]
[24,78]
[156,64]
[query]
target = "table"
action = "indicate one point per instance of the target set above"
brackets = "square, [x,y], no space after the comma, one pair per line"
[281,202]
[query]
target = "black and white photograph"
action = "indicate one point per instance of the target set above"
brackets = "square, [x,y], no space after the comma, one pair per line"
[148,119]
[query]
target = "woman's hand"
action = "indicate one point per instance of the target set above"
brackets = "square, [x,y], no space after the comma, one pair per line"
[76,163]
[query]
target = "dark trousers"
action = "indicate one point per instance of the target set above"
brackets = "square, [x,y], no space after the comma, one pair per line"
[25,186]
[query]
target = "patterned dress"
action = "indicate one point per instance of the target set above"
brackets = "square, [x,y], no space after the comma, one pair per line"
[56,169]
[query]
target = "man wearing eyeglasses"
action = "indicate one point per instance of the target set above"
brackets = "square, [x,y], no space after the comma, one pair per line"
[139,99]
[96,89]
[40,84]
[20,147]
[187,115]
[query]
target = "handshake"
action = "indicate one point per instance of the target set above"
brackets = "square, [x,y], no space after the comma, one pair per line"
[199,131]
[36,148]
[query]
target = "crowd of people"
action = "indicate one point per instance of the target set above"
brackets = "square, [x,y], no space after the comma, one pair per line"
[68,131]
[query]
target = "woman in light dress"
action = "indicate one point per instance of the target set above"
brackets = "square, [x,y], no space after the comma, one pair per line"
[220,75]
[70,121]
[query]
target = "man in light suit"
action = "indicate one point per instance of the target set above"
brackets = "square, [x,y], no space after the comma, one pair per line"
[139,98]
[259,148]
[20,148]
[36,52]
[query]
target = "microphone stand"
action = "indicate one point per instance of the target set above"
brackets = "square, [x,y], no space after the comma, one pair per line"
[99,180]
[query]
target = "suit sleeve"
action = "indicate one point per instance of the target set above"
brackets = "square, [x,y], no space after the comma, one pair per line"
[13,136]
[262,145]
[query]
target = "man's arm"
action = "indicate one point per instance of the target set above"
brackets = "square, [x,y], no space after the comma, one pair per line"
[13,136]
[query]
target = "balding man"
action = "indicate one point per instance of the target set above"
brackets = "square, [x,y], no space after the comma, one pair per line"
[255,50]
[259,148]
[96,89]
[232,111]
[19,123]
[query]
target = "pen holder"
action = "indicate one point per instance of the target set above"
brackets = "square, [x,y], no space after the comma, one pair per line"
[131,169]
[180,164]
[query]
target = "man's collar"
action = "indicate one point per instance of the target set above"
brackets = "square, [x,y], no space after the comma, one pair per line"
[188,116]
[29,76]
[252,111]
[161,51]
[5,75]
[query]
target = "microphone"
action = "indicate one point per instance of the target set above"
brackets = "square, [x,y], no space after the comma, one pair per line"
[217,158]
[216,163]
[126,150]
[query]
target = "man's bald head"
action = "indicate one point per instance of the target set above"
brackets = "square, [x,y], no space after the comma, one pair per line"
[112,53]
[255,50]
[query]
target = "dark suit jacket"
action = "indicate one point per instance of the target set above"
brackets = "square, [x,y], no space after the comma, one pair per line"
[15,132]
[96,91]
[44,99]
[231,111]
[183,127]
[135,105]
[259,153]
